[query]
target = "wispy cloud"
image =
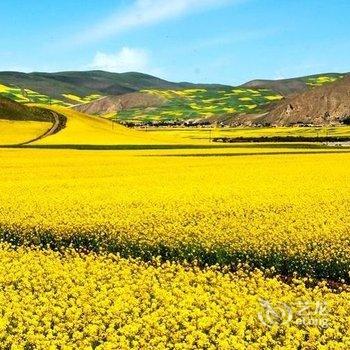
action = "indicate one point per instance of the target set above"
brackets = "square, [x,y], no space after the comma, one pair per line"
[145,13]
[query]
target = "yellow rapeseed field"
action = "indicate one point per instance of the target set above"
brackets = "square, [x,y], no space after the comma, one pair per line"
[98,301]
[89,130]
[205,133]
[290,212]
[15,132]
[175,249]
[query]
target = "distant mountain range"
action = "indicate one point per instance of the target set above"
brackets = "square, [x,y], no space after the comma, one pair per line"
[140,98]
[259,102]
[57,85]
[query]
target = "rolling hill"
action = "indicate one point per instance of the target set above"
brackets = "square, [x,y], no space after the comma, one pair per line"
[20,124]
[177,106]
[11,110]
[72,87]
[322,105]
[57,125]
[136,98]
[233,106]
[113,104]
[83,129]
[287,87]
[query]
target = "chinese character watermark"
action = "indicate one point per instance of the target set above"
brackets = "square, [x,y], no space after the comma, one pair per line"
[301,313]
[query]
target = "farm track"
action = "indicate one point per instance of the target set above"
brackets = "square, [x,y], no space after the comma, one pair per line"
[59,123]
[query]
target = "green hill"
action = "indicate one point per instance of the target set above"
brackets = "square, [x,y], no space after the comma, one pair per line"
[113,95]
[197,105]
[67,88]
[201,105]
[294,85]
[11,110]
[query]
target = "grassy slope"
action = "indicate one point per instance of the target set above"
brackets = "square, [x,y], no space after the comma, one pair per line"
[28,96]
[12,110]
[86,83]
[46,84]
[194,104]
[69,88]
[294,85]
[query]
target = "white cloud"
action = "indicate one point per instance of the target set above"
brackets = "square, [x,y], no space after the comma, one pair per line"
[126,60]
[143,13]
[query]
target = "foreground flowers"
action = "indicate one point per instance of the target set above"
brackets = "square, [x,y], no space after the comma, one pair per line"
[290,212]
[140,250]
[73,301]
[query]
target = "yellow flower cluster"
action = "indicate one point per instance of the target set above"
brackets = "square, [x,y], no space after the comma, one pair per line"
[98,301]
[15,132]
[289,212]
[191,222]
[82,129]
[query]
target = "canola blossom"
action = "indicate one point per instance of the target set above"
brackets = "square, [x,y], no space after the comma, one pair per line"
[15,132]
[289,212]
[212,248]
[82,129]
[99,301]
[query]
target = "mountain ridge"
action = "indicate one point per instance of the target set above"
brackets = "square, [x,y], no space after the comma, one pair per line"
[85,83]
[135,97]
[290,86]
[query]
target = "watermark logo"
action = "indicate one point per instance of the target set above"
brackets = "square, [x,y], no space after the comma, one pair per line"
[280,313]
[301,313]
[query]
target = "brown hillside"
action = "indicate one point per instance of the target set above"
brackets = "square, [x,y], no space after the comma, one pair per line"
[110,104]
[285,87]
[320,106]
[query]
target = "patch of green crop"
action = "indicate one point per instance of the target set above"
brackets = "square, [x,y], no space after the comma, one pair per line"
[27,96]
[322,79]
[81,100]
[195,104]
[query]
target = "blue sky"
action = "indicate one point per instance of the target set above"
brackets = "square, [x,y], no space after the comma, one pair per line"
[222,41]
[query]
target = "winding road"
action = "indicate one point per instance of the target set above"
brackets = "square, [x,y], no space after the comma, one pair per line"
[59,122]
